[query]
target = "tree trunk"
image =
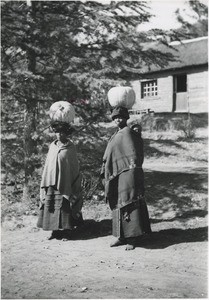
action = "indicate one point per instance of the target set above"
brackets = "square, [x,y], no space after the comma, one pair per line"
[30,145]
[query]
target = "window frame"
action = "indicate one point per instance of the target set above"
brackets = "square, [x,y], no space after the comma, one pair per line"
[149,89]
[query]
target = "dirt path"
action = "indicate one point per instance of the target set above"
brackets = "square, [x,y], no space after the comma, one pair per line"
[171,263]
[170,266]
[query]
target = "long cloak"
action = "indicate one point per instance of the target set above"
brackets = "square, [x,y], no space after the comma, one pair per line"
[60,194]
[124,183]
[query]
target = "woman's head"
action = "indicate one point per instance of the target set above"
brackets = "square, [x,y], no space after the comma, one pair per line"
[62,130]
[120,115]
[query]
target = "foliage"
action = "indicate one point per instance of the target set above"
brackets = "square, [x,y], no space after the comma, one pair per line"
[183,122]
[199,28]
[64,50]
[61,50]
[188,128]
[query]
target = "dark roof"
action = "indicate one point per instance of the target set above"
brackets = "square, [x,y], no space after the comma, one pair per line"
[191,53]
[187,53]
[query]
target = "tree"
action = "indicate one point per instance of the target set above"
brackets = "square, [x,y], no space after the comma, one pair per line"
[60,50]
[199,26]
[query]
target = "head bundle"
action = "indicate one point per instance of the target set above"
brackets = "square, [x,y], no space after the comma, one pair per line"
[62,111]
[62,114]
[121,96]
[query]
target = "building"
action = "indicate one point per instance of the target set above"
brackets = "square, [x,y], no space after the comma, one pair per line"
[181,86]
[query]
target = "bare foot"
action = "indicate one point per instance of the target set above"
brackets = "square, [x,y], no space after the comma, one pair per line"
[130,247]
[131,242]
[65,239]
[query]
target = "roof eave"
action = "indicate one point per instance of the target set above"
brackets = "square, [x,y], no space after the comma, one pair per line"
[169,70]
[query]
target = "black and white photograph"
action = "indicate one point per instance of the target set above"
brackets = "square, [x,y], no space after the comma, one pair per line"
[104,149]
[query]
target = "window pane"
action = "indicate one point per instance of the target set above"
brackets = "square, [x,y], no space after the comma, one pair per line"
[149,88]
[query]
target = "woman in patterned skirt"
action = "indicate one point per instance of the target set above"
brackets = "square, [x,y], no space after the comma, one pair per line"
[61,201]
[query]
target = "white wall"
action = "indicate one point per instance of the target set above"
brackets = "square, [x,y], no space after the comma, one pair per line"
[197,87]
[198,92]
[163,102]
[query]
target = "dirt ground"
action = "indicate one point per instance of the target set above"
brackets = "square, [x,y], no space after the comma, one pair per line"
[170,263]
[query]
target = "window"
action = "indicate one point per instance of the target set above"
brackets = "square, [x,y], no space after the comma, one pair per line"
[181,83]
[149,88]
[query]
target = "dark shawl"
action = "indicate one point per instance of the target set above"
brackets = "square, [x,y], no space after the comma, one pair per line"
[124,152]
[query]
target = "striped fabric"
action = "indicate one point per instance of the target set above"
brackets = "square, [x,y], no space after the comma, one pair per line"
[56,212]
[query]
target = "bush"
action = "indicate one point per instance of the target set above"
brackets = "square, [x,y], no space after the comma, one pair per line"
[187,123]
[188,129]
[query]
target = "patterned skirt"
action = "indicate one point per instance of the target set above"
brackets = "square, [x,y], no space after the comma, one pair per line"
[129,208]
[56,212]
[131,220]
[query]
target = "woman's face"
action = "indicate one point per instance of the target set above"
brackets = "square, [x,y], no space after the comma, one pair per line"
[120,121]
[61,136]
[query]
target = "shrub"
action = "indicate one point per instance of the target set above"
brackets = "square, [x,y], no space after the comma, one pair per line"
[188,129]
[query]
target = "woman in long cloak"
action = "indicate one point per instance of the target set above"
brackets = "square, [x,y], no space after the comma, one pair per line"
[124,182]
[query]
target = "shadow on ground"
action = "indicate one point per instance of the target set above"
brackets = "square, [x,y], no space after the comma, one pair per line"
[195,213]
[155,240]
[182,194]
[157,148]
[169,237]
[93,229]
[176,191]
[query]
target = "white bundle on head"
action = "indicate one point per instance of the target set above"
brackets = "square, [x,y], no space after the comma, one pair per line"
[62,111]
[121,96]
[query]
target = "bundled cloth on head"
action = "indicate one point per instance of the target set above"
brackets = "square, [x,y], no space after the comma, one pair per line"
[62,111]
[62,114]
[121,96]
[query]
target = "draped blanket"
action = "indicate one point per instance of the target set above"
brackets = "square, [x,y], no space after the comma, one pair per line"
[124,152]
[62,170]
